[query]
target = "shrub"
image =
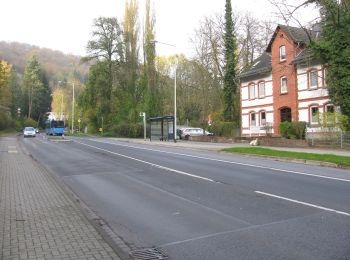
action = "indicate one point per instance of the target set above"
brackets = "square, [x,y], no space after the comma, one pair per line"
[292,130]
[285,129]
[30,122]
[5,121]
[298,129]
[220,128]
[126,130]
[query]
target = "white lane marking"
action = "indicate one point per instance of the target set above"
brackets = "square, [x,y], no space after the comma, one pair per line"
[149,163]
[303,203]
[230,162]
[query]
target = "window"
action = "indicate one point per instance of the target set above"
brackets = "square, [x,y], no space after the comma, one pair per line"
[324,77]
[251,91]
[263,118]
[314,115]
[282,53]
[284,87]
[313,79]
[329,108]
[286,114]
[330,117]
[261,89]
[252,119]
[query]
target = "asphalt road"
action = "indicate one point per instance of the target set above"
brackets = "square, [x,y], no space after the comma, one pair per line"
[206,205]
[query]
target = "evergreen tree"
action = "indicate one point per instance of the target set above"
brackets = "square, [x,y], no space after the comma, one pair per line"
[93,98]
[37,95]
[231,97]
[334,50]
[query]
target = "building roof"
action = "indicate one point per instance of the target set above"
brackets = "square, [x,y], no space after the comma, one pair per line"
[259,66]
[304,55]
[297,34]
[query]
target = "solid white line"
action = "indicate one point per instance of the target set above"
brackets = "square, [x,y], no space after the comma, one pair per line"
[149,163]
[303,203]
[230,162]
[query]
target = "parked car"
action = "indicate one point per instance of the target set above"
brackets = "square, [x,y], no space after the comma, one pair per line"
[29,132]
[186,133]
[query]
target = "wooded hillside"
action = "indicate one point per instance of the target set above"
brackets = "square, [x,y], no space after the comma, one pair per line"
[56,64]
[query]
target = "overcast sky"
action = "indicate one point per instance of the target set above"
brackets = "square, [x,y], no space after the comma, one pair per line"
[66,25]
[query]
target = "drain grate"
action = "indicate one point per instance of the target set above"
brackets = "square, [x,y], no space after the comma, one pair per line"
[148,254]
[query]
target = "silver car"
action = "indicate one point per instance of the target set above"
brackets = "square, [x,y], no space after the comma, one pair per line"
[186,133]
[29,132]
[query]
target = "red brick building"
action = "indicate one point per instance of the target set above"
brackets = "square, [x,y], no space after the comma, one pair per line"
[284,84]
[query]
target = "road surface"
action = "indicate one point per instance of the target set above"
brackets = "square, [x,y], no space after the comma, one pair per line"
[205,205]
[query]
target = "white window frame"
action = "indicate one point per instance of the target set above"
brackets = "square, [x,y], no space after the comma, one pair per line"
[283,53]
[251,87]
[315,72]
[324,73]
[250,119]
[262,123]
[312,121]
[262,83]
[282,90]
[326,108]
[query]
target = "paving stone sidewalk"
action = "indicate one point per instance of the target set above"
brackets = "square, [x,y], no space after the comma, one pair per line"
[38,220]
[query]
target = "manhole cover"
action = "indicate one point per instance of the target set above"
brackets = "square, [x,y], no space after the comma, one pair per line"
[148,254]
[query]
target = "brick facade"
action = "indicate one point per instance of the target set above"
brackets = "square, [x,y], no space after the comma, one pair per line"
[295,66]
[284,69]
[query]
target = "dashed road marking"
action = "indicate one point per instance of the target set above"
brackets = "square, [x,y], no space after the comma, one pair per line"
[303,203]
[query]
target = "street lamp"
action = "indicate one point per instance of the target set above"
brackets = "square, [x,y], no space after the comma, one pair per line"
[73,110]
[175,135]
[143,114]
[73,103]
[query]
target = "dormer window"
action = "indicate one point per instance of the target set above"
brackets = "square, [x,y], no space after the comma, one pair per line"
[282,53]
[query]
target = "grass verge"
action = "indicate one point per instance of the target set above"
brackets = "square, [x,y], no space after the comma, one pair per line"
[330,158]
[8,133]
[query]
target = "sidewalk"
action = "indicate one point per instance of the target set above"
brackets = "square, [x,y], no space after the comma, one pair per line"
[38,220]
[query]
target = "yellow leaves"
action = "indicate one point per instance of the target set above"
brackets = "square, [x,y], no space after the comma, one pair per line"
[5,89]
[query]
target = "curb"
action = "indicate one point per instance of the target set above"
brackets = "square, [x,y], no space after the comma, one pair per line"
[283,159]
[110,237]
[274,158]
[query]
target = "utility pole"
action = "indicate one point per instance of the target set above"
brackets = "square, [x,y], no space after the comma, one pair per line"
[143,114]
[73,111]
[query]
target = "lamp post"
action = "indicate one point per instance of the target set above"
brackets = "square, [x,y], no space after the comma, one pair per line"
[143,114]
[73,110]
[175,72]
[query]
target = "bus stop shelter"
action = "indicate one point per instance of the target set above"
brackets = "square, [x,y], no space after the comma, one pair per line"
[162,128]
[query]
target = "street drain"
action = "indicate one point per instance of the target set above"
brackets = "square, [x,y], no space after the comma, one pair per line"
[148,254]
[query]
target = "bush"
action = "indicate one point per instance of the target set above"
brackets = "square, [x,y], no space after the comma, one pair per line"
[285,129]
[126,130]
[292,130]
[29,122]
[226,129]
[299,128]
[5,121]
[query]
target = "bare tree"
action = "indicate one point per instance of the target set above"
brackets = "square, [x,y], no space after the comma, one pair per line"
[253,38]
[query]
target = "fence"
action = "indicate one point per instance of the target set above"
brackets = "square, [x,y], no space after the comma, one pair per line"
[329,139]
